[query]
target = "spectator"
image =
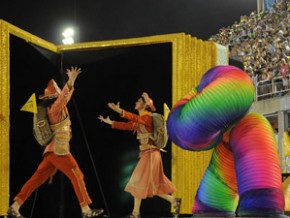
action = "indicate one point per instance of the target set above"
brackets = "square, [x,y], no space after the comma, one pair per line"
[260,40]
[284,71]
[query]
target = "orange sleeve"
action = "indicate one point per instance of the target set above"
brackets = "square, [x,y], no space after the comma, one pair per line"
[63,98]
[60,104]
[124,125]
[134,121]
[145,120]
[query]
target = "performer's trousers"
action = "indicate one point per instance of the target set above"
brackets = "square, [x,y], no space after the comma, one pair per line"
[67,165]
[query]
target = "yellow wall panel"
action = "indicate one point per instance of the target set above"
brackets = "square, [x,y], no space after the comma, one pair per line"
[4,118]
[188,167]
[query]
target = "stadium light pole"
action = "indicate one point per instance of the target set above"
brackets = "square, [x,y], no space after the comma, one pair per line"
[68,36]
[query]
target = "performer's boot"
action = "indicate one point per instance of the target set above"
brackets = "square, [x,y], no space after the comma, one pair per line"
[177,205]
[92,213]
[12,213]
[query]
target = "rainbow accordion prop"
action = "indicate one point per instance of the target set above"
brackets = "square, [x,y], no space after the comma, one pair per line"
[244,175]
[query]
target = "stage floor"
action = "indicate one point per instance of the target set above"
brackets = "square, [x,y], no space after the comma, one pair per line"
[287,214]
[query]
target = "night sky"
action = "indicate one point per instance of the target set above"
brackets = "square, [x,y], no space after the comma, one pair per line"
[115,19]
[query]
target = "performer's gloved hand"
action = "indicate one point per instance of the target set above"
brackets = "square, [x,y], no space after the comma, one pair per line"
[105,120]
[72,74]
[115,107]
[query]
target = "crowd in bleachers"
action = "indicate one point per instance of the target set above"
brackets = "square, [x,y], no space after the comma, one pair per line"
[261,41]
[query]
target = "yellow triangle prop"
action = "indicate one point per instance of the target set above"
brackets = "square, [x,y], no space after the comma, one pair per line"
[166,111]
[30,105]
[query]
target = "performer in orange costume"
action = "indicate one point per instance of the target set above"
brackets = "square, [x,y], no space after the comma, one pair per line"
[148,178]
[57,153]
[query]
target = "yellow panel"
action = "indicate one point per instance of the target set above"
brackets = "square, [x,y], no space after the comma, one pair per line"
[28,37]
[4,118]
[175,39]
[286,190]
[6,30]
[188,167]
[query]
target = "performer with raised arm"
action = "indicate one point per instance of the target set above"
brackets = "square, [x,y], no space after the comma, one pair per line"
[56,155]
[148,178]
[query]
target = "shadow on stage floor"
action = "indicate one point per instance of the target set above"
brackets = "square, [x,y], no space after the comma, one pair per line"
[181,215]
[287,214]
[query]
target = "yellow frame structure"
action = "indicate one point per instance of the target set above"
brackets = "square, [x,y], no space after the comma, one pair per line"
[191,57]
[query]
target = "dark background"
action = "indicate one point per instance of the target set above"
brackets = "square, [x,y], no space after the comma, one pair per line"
[114,19]
[107,157]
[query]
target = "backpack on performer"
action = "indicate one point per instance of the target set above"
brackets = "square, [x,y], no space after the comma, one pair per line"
[159,136]
[41,126]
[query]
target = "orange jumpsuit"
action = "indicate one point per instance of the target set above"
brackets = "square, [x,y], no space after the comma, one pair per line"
[57,155]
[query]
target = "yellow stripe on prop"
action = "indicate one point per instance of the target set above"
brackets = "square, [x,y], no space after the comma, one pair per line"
[30,105]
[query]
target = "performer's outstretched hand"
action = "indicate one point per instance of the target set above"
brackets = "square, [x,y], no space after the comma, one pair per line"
[105,120]
[72,74]
[115,107]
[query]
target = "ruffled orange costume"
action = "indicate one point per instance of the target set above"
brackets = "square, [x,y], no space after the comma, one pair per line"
[148,178]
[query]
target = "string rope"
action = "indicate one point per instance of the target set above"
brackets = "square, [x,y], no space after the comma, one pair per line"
[33,203]
[87,145]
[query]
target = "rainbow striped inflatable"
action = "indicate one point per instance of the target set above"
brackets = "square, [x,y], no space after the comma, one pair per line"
[244,176]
